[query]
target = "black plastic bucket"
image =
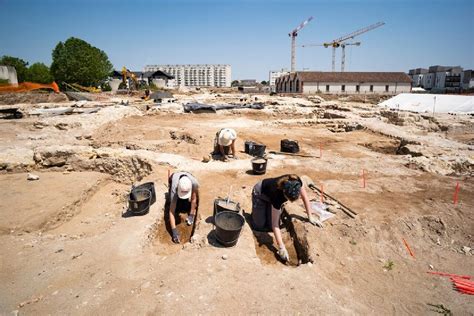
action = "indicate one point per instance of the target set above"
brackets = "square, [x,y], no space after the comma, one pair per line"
[150,186]
[247,146]
[259,165]
[221,205]
[139,202]
[228,227]
[257,150]
[289,146]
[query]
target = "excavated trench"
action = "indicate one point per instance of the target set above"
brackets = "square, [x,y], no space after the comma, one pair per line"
[160,234]
[295,240]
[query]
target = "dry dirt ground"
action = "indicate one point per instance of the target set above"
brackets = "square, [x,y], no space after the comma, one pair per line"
[66,248]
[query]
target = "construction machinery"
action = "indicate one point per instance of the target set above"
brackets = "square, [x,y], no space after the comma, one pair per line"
[293,35]
[77,87]
[343,47]
[340,42]
[130,78]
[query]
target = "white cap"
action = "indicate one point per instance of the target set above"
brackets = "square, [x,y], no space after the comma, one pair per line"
[226,137]
[185,188]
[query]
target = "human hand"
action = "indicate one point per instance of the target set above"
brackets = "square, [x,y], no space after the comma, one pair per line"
[283,253]
[315,222]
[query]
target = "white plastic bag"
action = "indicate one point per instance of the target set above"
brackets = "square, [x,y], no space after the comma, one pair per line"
[320,209]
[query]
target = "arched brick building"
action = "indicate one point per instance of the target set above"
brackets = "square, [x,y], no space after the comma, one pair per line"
[309,82]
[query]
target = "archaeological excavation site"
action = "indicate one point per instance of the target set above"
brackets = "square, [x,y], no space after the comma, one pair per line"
[87,185]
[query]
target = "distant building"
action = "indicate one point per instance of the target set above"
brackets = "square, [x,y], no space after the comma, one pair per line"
[468,80]
[197,75]
[438,78]
[247,83]
[273,75]
[308,82]
[158,78]
[417,75]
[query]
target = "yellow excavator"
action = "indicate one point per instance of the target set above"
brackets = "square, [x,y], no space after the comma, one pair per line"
[127,74]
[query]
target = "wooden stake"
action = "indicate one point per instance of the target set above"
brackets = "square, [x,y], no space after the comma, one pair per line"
[408,248]
[456,193]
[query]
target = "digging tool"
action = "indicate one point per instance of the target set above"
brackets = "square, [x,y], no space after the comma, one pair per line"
[344,208]
[290,154]
[313,187]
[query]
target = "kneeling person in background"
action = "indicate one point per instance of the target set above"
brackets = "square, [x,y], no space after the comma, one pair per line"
[184,198]
[225,142]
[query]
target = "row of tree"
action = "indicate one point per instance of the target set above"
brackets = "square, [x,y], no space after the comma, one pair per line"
[74,61]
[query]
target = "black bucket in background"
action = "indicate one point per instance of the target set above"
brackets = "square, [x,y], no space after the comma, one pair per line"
[150,186]
[221,205]
[139,202]
[247,146]
[257,150]
[259,165]
[228,227]
[289,146]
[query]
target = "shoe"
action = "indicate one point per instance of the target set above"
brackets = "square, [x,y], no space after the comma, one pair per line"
[190,220]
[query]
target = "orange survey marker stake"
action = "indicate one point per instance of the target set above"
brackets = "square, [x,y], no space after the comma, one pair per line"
[456,193]
[408,248]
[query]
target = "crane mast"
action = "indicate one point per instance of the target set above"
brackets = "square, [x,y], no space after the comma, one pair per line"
[293,35]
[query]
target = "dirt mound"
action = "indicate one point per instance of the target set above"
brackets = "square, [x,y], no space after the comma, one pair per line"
[125,168]
[32,97]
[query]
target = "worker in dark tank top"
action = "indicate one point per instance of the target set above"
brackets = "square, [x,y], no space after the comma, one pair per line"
[268,196]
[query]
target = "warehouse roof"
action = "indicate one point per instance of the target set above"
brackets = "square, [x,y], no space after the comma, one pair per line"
[359,77]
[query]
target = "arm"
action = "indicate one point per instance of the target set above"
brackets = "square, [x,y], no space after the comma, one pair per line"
[276,227]
[194,202]
[232,147]
[305,199]
[307,206]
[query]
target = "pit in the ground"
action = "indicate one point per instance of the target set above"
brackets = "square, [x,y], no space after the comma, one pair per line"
[297,246]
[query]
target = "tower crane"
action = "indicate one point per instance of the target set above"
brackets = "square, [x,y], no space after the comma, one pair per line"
[343,47]
[293,35]
[340,42]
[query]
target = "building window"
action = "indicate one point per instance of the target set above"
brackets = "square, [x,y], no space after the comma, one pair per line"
[343,88]
[371,88]
[386,88]
[357,88]
[327,88]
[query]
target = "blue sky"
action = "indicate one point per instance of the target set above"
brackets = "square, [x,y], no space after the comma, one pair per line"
[251,36]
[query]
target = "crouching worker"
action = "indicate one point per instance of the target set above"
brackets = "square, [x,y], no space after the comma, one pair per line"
[224,143]
[184,198]
[268,196]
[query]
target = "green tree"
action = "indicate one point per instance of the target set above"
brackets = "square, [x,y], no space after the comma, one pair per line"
[264,82]
[76,61]
[235,83]
[19,64]
[39,72]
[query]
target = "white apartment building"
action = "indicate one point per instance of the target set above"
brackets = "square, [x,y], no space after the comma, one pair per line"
[273,75]
[438,78]
[197,75]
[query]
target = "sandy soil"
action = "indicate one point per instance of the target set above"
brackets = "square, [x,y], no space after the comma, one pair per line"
[66,246]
